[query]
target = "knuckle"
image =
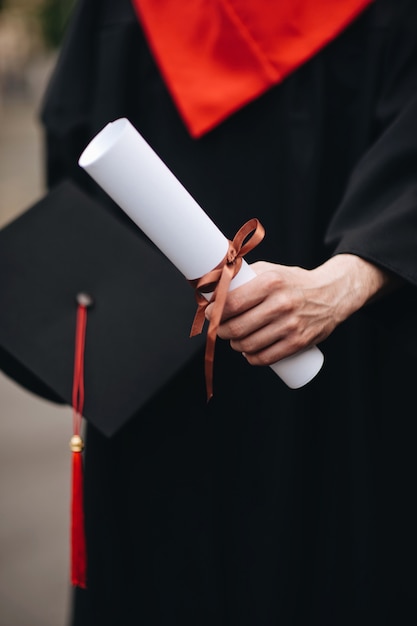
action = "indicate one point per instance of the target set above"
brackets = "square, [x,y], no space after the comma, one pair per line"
[235,328]
[293,326]
[296,343]
[262,360]
[286,303]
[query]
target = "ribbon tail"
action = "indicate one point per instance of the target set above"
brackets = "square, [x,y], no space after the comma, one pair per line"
[199,319]
[208,366]
[218,299]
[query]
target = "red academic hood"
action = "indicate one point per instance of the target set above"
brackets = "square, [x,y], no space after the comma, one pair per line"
[217,56]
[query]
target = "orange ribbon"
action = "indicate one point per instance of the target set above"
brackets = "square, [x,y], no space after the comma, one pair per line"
[218,281]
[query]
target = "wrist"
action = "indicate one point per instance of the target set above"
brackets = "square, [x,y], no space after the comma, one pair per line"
[352,282]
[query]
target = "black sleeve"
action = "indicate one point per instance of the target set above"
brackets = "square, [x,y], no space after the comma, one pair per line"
[377,218]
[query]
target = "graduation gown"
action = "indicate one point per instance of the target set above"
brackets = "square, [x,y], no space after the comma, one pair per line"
[267,506]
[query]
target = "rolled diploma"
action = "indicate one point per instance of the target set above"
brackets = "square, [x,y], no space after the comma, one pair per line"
[133,175]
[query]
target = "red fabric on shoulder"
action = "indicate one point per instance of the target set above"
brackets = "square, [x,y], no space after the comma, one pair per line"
[217,56]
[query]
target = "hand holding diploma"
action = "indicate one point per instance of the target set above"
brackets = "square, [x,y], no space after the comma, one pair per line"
[133,175]
[276,315]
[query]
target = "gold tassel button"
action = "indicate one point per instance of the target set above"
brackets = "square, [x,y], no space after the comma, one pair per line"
[76,444]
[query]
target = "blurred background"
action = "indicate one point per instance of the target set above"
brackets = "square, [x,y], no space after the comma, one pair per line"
[34,434]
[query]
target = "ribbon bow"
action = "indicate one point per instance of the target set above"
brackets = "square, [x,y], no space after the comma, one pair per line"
[218,281]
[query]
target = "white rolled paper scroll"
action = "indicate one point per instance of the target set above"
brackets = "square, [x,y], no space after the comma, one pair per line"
[133,175]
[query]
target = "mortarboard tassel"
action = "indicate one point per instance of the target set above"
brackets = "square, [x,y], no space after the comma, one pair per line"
[78,541]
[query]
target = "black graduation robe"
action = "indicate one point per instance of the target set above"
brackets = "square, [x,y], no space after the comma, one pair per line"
[268,506]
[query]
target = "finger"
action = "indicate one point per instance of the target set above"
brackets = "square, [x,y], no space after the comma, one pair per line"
[269,354]
[273,311]
[258,341]
[241,299]
[240,326]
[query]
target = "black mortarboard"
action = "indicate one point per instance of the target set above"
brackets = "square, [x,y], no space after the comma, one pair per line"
[138,328]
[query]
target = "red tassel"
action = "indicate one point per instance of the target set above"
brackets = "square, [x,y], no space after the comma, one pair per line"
[78,544]
[78,540]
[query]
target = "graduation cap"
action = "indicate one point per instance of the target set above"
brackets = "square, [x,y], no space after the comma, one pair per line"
[62,258]
[138,326]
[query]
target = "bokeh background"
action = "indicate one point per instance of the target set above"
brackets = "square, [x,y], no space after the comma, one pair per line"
[34,434]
